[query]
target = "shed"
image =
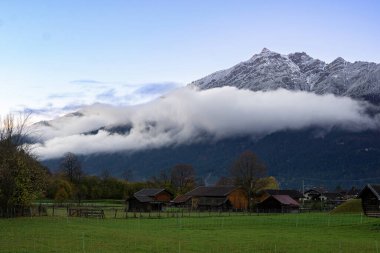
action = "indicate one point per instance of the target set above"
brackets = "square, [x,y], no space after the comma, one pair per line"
[278,204]
[149,199]
[218,198]
[370,196]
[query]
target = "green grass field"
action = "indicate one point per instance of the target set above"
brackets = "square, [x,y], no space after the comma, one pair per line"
[236,233]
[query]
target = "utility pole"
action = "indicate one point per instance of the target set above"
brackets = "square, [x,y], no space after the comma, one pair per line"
[303,193]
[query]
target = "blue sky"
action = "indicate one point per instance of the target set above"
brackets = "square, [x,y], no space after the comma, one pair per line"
[63,54]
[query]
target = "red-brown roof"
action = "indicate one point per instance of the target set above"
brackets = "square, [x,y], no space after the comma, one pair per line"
[285,200]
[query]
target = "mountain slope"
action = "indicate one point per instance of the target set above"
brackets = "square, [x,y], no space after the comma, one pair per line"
[335,158]
[298,71]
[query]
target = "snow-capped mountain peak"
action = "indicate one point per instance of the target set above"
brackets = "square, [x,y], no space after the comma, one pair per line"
[270,70]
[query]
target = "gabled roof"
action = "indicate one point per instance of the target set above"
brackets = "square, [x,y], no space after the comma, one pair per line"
[285,200]
[211,191]
[292,193]
[181,199]
[374,188]
[150,192]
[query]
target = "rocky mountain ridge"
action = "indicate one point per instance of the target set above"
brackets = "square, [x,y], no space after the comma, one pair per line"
[269,70]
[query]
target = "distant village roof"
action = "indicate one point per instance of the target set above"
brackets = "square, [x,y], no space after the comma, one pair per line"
[285,200]
[213,191]
[292,193]
[317,189]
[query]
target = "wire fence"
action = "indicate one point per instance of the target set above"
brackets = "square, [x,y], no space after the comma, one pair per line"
[193,232]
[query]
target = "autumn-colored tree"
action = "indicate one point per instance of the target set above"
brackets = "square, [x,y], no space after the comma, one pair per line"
[246,172]
[22,177]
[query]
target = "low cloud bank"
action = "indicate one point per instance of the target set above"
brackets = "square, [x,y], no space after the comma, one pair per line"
[187,115]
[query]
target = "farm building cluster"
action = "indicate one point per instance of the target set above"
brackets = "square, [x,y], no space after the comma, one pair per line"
[232,198]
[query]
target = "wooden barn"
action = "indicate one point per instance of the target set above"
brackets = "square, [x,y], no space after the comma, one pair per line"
[216,198]
[278,204]
[370,196]
[182,201]
[151,199]
[294,194]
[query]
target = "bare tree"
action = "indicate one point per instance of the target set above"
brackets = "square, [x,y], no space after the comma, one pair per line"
[246,171]
[182,177]
[14,131]
[71,167]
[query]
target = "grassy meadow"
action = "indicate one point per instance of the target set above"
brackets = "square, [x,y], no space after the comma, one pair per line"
[308,232]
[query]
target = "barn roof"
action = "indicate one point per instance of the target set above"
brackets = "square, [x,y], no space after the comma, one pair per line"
[375,188]
[211,191]
[144,199]
[150,192]
[181,199]
[285,200]
[292,193]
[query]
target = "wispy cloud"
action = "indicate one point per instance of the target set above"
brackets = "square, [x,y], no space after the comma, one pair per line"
[87,81]
[120,94]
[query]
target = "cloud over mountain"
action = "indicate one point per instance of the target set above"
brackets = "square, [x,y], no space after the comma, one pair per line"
[187,115]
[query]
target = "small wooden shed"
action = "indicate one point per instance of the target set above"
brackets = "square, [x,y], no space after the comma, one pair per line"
[149,199]
[370,196]
[278,204]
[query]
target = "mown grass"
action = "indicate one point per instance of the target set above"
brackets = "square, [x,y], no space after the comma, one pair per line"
[349,206]
[237,233]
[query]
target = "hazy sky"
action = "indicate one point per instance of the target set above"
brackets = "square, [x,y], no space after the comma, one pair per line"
[58,55]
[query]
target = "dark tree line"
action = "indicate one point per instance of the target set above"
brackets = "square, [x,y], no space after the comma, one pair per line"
[23,179]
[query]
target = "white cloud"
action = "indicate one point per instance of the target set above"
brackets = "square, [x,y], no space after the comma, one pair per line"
[185,115]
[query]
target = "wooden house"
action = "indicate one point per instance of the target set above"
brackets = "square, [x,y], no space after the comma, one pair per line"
[278,204]
[151,199]
[215,198]
[370,196]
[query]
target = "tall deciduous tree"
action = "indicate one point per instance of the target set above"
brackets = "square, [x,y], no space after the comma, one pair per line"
[71,167]
[22,177]
[246,172]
